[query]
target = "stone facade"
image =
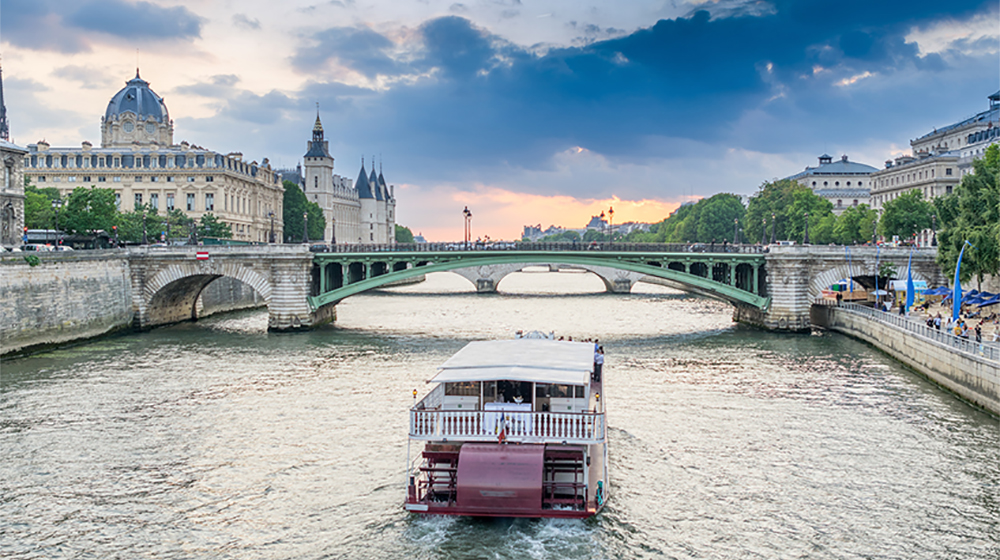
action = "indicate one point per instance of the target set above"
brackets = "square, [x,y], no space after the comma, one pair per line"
[844,183]
[11,194]
[139,160]
[362,211]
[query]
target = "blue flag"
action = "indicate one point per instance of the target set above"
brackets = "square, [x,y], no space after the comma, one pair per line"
[909,282]
[956,296]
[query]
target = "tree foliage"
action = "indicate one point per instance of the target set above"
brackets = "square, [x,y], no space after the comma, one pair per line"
[38,211]
[855,225]
[295,205]
[210,226]
[905,215]
[89,210]
[403,234]
[783,205]
[972,213]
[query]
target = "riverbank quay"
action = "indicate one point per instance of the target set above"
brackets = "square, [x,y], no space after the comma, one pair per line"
[65,297]
[969,369]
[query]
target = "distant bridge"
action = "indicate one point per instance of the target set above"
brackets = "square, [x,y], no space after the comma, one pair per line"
[772,287]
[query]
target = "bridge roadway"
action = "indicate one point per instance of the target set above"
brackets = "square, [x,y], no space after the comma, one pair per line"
[772,287]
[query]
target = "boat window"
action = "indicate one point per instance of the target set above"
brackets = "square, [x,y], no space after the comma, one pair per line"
[489,391]
[462,389]
[560,391]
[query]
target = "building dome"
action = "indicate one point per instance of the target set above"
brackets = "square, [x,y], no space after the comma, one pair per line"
[138,99]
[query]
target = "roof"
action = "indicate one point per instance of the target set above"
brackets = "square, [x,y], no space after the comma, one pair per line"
[532,360]
[364,190]
[839,167]
[373,183]
[11,147]
[137,98]
[991,114]
[318,149]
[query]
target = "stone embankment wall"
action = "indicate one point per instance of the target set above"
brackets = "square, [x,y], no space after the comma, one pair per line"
[67,296]
[973,378]
[78,295]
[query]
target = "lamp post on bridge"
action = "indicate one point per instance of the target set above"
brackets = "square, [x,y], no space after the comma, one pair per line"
[774,226]
[468,226]
[56,204]
[736,231]
[875,232]
[933,231]
[806,239]
[305,227]
[145,241]
[271,215]
[611,227]
[763,232]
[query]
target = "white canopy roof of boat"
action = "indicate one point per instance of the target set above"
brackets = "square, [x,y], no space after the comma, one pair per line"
[531,360]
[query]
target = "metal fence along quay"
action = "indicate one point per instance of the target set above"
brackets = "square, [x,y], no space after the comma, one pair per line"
[541,246]
[971,347]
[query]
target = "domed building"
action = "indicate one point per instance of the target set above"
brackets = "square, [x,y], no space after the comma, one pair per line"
[140,161]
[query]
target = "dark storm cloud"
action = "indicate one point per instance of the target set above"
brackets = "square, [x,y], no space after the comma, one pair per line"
[359,48]
[138,20]
[51,25]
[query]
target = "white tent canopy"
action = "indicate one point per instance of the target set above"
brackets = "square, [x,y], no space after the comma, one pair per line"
[530,360]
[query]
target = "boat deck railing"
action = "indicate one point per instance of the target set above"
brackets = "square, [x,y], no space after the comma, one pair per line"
[480,425]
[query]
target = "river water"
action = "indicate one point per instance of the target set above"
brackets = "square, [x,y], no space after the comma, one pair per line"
[217,439]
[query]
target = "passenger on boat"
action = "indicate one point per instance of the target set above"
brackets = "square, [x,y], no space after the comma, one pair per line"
[598,363]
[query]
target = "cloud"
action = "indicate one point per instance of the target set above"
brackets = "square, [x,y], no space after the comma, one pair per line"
[51,25]
[220,85]
[358,48]
[88,76]
[245,22]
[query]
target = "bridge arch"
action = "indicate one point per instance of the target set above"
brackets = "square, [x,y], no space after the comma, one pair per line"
[172,294]
[823,280]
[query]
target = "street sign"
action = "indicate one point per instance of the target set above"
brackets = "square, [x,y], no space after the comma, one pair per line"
[202,255]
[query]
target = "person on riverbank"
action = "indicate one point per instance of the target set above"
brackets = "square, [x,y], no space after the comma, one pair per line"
[979,333]
[937,322]
[598,363]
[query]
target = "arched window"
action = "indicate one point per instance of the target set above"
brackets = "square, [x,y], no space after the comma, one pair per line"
[839,203]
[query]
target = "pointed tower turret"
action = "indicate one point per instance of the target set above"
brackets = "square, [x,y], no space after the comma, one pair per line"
[362,184]
[4,128]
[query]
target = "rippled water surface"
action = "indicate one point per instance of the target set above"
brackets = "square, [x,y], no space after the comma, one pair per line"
[217,439]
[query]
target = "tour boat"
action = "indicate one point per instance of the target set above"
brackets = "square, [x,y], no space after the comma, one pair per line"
[511,428]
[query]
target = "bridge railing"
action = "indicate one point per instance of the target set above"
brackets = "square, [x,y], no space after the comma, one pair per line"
[479,425]
[981,349]
[541,246]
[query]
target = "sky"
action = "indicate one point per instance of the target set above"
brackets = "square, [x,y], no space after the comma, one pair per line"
[527,112]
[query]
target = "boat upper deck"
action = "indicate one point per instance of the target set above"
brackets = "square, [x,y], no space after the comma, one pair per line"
[533,390]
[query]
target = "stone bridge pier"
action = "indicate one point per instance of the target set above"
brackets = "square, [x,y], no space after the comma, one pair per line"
[167,281]
[486,278]
[796,277]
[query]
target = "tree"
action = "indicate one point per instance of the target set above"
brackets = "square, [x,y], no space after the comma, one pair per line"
[89,210]
[977,199]
[295,205]
[905,215]
[788,202]
[210,226]
[38,211]
[403,234]
[855,225]
[718,218]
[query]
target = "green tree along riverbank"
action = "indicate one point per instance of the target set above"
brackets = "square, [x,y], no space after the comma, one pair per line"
[972,213]
[295,205]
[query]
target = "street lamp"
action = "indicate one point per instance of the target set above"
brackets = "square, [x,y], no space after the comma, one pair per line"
[271,215]
[874,232]
[933,231]
[468,226]
[774,226]
[763,232]
[611,227]
[736,231]
[806,240]
[333,231]
[144,240]
[166,231]
[305,227]
[56,204]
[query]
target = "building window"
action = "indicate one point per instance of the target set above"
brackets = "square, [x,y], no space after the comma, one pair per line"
[170,179]
[86,178]
[947,190]
[209,179]
[102,179]
[138,179]
[138,200]
[154,201]
[837,184]
[41,178]
[190,179]
[848,183]
[170,201]
[154,179]
[71,179]
[117,179]
[855,202]
[947,171]
[56,179]
[209,202]
[840,203]
[118,201]
[825,183]
[190,202]
[814,183]
[117,162]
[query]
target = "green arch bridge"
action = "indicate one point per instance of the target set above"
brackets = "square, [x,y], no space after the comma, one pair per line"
[733,274]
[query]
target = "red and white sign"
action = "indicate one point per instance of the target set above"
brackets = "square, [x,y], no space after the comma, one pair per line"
[201,255]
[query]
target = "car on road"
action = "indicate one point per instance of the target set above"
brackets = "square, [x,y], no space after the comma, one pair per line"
[39,247]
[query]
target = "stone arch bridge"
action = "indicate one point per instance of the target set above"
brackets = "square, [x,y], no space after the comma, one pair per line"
[772,289]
